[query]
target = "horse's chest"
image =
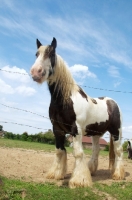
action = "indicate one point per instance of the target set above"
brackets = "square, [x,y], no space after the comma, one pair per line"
[62,115]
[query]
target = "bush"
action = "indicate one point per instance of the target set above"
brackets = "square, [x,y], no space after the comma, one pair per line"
[107,147]
[49,138]
[125,146]
[1,127]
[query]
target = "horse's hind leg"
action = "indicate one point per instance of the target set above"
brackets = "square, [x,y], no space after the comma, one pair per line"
[59,166]
[81,176]
[117,167]
[93,162]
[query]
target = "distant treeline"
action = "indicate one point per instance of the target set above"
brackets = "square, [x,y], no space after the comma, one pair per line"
[47,137]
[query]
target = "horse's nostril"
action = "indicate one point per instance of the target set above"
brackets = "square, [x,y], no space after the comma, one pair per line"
[35,78]
[40,70]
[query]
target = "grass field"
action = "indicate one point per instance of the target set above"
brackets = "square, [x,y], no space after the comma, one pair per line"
[39,146]
[43,147]
[19,190]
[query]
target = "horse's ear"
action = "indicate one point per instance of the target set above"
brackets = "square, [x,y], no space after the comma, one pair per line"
[54,43]
[38,43]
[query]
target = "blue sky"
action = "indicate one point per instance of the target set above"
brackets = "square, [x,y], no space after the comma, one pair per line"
[93,37]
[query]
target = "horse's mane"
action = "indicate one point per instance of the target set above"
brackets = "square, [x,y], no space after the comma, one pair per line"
[63,80]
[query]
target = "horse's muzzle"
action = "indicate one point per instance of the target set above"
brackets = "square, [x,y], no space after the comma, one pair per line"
[36,78]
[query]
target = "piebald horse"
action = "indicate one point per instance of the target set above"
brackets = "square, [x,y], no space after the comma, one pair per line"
[72,111]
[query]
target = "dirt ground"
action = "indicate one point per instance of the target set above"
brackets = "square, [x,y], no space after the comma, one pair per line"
[30,165]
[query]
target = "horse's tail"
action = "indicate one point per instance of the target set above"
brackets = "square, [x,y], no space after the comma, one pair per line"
[111,153]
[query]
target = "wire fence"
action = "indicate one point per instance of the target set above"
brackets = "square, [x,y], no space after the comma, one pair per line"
[39,115]
[86,86]
[19,109]
[63,132]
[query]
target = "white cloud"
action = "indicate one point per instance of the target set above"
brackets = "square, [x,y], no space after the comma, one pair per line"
[5,88]
[117,83]
[81,71]
[114,72]
[127,130]
[26,91]
[16,74]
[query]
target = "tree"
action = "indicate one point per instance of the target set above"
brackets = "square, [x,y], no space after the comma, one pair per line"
[24,136]
[1,128]
[49,138]
[107,147]
[125,145]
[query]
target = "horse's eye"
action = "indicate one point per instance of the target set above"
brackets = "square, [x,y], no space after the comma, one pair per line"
[37,54]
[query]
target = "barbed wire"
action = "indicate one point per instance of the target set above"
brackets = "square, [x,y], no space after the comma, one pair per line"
[68,133]
[21,124]
[13,72]
[83,129]
[104,156]
[86,86]
[53,119]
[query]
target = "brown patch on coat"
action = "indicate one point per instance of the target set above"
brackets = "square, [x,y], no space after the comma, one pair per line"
[94,101]
[114,118]
[97,128]
[112,124]
[83,94]
[62,115]
[101,98]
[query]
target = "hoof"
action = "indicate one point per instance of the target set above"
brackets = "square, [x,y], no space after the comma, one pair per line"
[93,167]
[119,174]
[74,183]
[54,176]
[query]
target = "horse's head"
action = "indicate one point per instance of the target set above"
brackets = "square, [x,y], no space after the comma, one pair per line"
[129,149]
[45,61]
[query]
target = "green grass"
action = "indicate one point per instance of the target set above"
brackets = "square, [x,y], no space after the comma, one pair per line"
[39,146]
[120,190]
[26,145]
[18,190]
[43,147]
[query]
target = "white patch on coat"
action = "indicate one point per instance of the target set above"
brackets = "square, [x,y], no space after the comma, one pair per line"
[88,112]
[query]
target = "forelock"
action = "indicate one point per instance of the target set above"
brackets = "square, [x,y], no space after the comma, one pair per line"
[42,49]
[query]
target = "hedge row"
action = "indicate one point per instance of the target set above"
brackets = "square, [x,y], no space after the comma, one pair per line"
[47,137]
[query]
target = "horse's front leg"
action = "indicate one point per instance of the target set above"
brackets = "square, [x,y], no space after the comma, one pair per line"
[93,162]
[81,176]
[59,166]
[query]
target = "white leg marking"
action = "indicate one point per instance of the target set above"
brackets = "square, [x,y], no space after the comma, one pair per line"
[81,175]
[118,172]
[59,167]
[93,162]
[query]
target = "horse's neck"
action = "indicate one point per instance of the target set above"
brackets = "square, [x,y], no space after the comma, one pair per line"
[56,95]
[61,83]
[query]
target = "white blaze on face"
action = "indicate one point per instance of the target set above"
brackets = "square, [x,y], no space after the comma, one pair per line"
[41,67]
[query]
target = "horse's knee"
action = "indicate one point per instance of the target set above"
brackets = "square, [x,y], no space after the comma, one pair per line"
[78,154]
